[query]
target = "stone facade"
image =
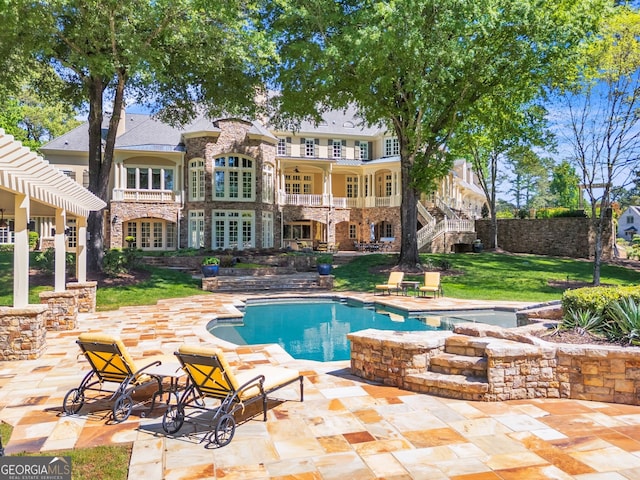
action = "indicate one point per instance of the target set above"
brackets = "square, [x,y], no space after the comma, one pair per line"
[562,237]
[22,332]
[125,211]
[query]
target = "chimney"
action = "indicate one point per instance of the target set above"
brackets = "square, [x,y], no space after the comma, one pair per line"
[122,127]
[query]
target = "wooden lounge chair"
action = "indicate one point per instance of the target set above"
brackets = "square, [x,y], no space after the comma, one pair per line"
[112,371]
[393,283]
[211,377]
[431,284]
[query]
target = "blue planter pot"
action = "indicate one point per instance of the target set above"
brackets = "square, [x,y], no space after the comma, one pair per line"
[324,269]
[210,270]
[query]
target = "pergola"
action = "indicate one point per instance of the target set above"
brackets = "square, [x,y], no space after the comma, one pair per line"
[30,187]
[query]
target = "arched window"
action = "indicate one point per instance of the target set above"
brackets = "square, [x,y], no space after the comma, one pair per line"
[196,179]
[233,179]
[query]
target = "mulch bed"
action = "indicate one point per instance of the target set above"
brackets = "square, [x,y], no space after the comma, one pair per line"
[575,338]
[37,278]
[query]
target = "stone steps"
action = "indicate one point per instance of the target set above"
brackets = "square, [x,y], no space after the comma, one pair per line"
[302,281]
[450,386]
[466,345]
[452,364]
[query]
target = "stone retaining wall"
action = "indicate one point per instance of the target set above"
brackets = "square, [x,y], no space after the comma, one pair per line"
[519,366]
[61,312]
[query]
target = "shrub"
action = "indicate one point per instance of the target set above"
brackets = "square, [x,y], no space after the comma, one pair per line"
[444,265]
[624,321]
[210,261]
[117,261]
[582,322]
[326,259]
[227,261]
[45,260]
[597,299]
[559,212]
[33,240]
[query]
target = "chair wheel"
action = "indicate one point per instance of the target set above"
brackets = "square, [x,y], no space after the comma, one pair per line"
[225,429]
[122,408]
[173,419]
[73,401]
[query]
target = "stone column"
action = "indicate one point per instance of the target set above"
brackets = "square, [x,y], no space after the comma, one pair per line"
[62,312]
[85,293]
[22,332]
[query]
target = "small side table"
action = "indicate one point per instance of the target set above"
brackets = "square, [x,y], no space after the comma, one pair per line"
[171,370]
[405,285]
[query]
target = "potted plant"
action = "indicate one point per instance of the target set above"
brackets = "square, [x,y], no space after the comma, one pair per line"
[324,263]
[210,266]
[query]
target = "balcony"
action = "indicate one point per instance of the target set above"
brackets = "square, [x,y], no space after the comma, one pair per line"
[131,195]
[311,200]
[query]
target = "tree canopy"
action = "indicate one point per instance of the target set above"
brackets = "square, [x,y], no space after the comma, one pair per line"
[418,67]
[179,57]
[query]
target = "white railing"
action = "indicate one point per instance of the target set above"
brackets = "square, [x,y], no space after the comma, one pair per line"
[312,200]
[422,210]
[430,232]
[131,195]
[446,209]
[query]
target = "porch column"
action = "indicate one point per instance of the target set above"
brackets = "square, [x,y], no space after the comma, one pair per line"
[81,250]
[21,252]
[60,250]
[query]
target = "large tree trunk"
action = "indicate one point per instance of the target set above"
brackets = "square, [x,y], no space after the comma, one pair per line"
[101,160]
[409,258]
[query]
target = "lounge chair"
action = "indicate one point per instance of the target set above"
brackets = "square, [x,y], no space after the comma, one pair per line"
[112,371]
[431,284]
[211,377]
[393,283]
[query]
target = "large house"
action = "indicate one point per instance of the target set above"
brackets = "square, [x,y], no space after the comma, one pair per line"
[237,184]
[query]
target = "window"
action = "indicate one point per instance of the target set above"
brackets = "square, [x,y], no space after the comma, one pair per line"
[391,147]
[630,219]
[387,185]
[144,178]
[233,178]
[72,234]
[297,184]
[267,230]
[297,231]
[309,145]
[336,148]
[362,150]
[85,178]
[70,173]
[352,187]
[232,229]
[151,234]
[196,229]
[353,231]
[196,179]
[268,185]
[386,229]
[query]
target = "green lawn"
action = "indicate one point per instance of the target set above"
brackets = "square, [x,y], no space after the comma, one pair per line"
[488,276]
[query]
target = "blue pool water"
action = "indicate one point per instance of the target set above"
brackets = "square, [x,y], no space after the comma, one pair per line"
[318,330]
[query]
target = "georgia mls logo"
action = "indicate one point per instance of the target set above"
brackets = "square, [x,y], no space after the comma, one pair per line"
[35,468]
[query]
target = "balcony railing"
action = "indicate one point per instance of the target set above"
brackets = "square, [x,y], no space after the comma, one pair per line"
[311,200]
[132,195]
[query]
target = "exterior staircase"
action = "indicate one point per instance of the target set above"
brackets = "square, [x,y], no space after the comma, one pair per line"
[460,371]
[440,219]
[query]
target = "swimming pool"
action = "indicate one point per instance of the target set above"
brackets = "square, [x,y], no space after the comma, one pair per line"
[317,329]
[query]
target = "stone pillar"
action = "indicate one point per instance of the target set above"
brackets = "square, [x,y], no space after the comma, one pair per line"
[85,293]
[22,332]
[325,281]
[62,312]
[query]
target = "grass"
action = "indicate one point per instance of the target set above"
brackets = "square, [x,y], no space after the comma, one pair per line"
[488,276]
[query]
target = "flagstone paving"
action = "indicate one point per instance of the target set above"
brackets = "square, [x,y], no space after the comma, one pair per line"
[346,428]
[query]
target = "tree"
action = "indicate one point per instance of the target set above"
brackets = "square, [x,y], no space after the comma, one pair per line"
[416,67]
[34,119]
[530,177]
[498,128]
[602,105]
[180,57]
[565,186]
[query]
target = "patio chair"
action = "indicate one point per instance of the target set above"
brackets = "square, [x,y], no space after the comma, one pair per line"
[431,284]
[112,371]
[393,283]
[211,377]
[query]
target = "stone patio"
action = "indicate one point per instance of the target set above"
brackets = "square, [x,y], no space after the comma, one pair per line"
[346,428]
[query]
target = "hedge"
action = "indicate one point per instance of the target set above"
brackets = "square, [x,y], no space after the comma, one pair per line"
[597,299]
